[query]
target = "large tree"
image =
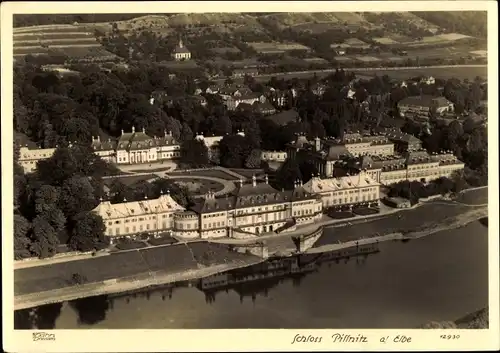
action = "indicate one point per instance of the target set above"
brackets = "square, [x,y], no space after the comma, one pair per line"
[88,232]
[46,198]
[288,174]
[77,195]
[234,150]
[254,159]
[194,154]
[44,238]
[21,240]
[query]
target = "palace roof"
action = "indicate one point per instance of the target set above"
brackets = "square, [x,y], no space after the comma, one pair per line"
[163,204]
[317,185]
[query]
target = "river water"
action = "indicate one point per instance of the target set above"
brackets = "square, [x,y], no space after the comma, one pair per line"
[440,277]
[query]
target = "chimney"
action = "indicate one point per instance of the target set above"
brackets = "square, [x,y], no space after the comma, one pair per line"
[254,181]
[317,144]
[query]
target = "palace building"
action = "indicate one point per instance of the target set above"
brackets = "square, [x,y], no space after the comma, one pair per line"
[325,153]
[350,190]
[134,147]
[412,166]
[138,216]
[253,209]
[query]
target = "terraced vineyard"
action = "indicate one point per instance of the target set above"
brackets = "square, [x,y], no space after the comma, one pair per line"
[77,43]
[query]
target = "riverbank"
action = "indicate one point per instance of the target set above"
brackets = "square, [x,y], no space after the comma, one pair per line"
[142,281]
[158,278]
[426,230]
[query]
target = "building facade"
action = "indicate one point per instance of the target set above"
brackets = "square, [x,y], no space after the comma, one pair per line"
[134,217]
[255,208]
[345,191]
[28,158]
[413,166]
[273,156]
[181,52]
[424,105]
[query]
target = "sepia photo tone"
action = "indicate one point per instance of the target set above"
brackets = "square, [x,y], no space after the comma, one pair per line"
[251,170]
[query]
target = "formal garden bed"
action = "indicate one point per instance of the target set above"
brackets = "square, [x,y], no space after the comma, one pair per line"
[211,173]
[365,211]
[130,244]
[340,214]
[163,240]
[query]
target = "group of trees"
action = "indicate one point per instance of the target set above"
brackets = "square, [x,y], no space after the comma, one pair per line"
[120,192]
[468,141]
[53,204]
[415,190]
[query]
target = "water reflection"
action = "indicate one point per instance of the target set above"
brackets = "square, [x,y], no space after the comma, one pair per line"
[260,279]
[91,310]
[43,317]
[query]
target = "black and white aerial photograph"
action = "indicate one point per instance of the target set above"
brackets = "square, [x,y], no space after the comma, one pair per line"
[252,170]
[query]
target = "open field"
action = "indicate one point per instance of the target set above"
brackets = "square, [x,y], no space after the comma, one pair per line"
[403,73]
[276,47]
[443,73]
[363,58]
[482,53]
[385,40]
[315,60]
[225,50]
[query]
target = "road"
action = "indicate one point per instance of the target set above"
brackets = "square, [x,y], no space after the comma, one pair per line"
[299,74]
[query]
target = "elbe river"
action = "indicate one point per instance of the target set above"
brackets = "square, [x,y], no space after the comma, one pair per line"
[440,277]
